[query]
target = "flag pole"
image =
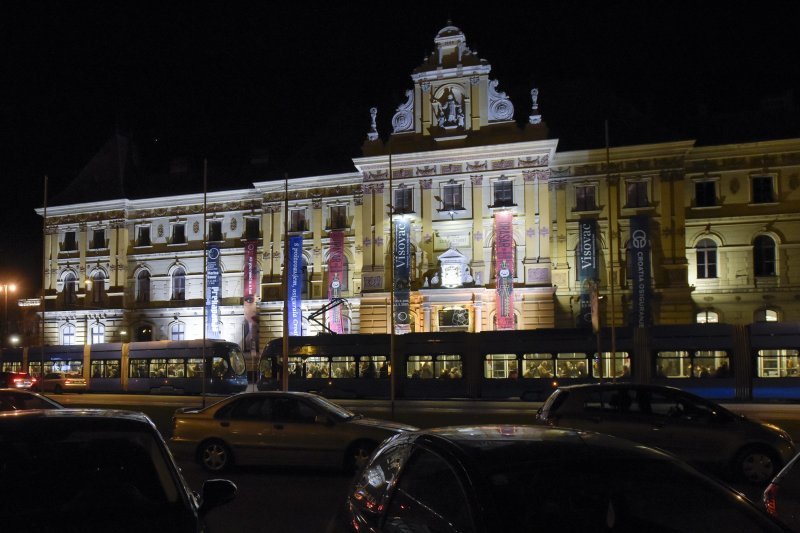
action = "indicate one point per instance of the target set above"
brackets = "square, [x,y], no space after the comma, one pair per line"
[285,358]
[392,347]
[206,371]
[611,280]
[45,269]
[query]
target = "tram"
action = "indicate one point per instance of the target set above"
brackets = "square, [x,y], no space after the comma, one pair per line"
[157,367]
[717,361]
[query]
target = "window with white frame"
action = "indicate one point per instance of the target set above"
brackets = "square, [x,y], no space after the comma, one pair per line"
[143,286]
[586,198]
[764,256]
[766,315]
[763,189]
[705,193]
[706,250]
[143,236]
[179,284]
[178,331]
[403,200]
[252,228]
[68,335]
[707,317]
[98,239]
[297,219]
[215,230]
[70,242]
[98,287]
[636,193]
[98,333]
[338,217]
[70,288]
[452,196]
[178,233]
[503,189]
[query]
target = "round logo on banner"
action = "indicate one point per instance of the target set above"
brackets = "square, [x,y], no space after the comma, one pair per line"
[639,239]
[213,253]
[402,316]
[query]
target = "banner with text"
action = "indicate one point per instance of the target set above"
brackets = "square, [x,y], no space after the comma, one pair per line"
[402,275]
[295,286]
[250,295]
[335,273]
[640,257]
[504,268]
[587,268]
[213,294]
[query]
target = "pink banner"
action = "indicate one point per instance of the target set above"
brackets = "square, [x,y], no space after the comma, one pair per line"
[504,269]
[335,279]
[250,295]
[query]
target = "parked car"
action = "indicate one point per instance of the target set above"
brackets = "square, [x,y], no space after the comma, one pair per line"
[21,400]
[698,430]
[16,380]
[782,496]
[95,470]
[59,382]
[533,478]
[277,428]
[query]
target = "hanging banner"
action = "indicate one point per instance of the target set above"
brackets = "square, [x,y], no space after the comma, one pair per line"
[402,275]
[335,273]
[250,295]
[640,257]
[295,296]
[587,268]
[213,293]
[504,268]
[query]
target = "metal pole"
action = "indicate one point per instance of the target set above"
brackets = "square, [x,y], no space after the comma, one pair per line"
[285,358]
[206,371]
[612,279]
[392,356]
[45,269]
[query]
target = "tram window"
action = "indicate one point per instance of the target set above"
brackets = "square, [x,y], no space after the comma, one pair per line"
[614,365]
[219,367]
[35,368]
[175,368]
[194,368]
[343,367]
[12,366]
[419,366]
[72,368]
[778,363]
[296,367]
[373,366]
[317,367]
[265,367]
[158,368]
[500,366]
[448,367]
[138,368]
[537,365]
[710,364]
[571,365]
[673,364]
[105,368]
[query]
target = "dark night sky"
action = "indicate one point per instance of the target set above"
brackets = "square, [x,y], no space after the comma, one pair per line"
[220,80]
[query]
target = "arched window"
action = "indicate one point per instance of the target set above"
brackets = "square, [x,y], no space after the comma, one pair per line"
[70,289]
[178,331]
[98,287]
[766,315]
[143,287]
[707,317]
[68,335]
[764,256]
[179,284]
[98,333]
[706,259]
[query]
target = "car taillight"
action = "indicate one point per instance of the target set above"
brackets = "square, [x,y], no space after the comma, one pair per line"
[67,381]
[770,499]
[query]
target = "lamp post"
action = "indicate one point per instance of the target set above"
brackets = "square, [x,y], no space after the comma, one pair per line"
[6,288]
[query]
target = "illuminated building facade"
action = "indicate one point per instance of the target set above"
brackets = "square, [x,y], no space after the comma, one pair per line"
[495,229]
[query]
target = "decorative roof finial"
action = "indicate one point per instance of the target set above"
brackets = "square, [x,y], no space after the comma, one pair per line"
[372,135]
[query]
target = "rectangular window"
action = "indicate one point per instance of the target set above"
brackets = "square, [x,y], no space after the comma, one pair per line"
[215,230]
[615,365]
[636,194]
[537,365]
[705,194]
[158,368]
[778,363]
[338,217]
[403,200]
[98,239]
[452,196]
[503,192]
[763,190]
[70,243]
[178,233]
[586,198]
[500,366]
[143,236]
[252,228]
[297,220]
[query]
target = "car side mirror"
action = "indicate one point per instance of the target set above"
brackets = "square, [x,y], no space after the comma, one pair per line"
[217,492]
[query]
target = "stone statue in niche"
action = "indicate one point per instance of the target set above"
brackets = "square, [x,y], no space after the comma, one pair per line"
[449,110]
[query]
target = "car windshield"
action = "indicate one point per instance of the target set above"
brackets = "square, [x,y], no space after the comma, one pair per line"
[610,493]
[332,408]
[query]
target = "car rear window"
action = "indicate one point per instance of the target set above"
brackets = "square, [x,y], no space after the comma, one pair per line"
[554,402]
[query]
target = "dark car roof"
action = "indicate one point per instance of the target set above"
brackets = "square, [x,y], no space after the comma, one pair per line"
[93,416]
[618,384]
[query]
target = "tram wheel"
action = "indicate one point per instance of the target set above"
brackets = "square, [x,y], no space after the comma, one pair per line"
[215,456]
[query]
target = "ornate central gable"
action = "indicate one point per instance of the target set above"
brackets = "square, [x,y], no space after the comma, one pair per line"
[454,103]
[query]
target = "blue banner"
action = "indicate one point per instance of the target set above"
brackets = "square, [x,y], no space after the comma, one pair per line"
[213,293]
[586,258]
[640,257]
[295,285]
[402,272]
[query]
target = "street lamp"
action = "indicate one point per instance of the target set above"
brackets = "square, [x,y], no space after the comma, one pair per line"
[6,288]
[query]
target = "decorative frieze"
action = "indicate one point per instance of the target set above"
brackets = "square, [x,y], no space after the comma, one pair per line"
[502,164]
[477,165]
[533,175]
[376,175]
[403,173]
[373,187]
[451,169]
